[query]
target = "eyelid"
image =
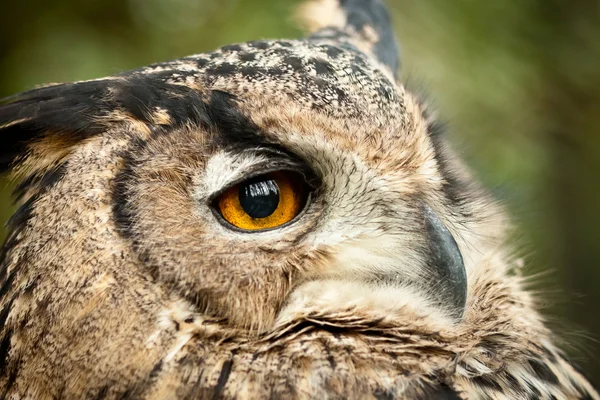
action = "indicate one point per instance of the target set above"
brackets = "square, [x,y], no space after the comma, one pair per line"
[266,167]
[254,173]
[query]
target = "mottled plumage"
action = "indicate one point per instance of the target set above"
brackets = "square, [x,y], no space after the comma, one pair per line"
[120,280]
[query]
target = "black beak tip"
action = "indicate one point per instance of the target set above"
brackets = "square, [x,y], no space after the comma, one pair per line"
[447,263]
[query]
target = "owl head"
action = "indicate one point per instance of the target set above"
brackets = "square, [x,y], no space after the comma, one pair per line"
[203,226]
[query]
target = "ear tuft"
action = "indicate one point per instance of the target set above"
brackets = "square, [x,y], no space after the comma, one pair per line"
[314,15]
[48,121]
[40,127]
[364,24]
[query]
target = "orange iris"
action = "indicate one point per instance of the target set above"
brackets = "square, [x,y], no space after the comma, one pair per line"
[267,201]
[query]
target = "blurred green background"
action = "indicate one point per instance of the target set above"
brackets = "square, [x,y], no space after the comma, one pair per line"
[518,81]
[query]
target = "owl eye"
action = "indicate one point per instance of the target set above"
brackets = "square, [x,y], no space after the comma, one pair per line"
[263,202]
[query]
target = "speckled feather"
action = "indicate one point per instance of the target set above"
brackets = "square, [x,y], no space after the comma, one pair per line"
[117,280]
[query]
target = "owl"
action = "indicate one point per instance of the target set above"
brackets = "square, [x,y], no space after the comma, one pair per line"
[273,219]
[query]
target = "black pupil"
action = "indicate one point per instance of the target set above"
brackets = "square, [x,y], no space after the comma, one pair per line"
[260,197]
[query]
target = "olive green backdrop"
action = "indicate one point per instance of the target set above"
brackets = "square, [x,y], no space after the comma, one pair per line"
[518,82]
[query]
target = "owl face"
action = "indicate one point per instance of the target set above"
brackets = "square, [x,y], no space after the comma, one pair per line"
[330,138]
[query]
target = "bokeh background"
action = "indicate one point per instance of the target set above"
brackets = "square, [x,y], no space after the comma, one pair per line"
[517,81]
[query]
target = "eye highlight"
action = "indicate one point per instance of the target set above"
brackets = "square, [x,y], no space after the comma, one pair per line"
[263,202]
